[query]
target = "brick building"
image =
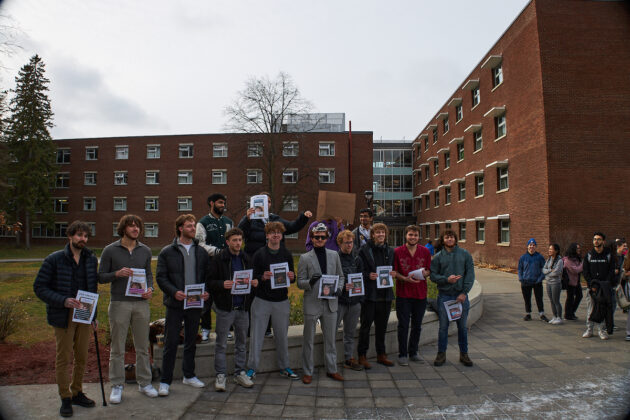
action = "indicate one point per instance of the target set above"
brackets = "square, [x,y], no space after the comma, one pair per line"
[535,141]
[161,177]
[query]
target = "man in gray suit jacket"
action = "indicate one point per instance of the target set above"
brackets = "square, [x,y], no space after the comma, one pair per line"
[311,267]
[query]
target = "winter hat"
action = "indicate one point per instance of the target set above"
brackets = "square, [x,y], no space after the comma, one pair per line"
[531,241]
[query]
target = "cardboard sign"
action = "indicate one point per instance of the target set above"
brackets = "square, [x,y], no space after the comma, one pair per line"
[331,204]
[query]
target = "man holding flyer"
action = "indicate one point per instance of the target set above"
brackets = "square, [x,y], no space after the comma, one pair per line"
[61,277]
[126,265]
[182,264]
[231,309]
[412,263]
[454,273]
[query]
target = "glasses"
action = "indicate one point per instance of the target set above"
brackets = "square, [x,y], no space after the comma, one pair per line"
[275,233]
[348,243]
[320,238]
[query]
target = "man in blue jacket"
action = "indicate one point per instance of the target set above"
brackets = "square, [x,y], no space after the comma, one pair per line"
[60,277]
[530,275]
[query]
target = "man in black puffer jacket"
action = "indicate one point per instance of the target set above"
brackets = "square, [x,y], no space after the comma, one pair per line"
[60,277]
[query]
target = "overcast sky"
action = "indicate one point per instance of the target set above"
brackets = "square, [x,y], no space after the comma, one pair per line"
[120,67]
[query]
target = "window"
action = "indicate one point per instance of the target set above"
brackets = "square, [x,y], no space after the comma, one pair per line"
[184,177]
[184,203]
[122,152]
[459,113]
[502,178]
[447,160]
[427,231]
[460,151]
[462,231]
[151,230]
[89,204]
[254,150]
[115,229]
[120,178]
[92,226]
[462,191]
[41,230]
[326,149]
[153,177]
[89,178]
[326,176]
[478,140]
[290,203]
[219,176]
[426,144]
[186,151]
[91,153]
[63,155]
[120,203]
[448,226]
[499,126]
[290,148]
[481,231]
[445,124]
[289,176]
[153,151]
[478,185]
[60,205]
[476,98]
[497,76]
[504,231]
[254,176]
[418,175]
[436,167]
[437,231]
[435,135]
[219,150]
[427,202]
[62,180]
[151,204]
[436,199]
[426,174]
[447,195]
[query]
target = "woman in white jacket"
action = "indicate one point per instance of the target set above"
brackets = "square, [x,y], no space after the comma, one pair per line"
[553,277]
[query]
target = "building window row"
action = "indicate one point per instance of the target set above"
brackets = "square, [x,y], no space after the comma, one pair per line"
[503,229]
[184,203]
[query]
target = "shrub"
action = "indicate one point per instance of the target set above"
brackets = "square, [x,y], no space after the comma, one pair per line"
[10,314]
[296,316]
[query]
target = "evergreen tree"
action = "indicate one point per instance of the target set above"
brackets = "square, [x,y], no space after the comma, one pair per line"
[32,167]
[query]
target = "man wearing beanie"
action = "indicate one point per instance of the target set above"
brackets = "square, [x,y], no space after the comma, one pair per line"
[530,275]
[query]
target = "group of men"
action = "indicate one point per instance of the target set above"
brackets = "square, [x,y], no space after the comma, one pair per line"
[209,253]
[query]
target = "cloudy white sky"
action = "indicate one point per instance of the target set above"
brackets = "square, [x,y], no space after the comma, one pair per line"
[122,67]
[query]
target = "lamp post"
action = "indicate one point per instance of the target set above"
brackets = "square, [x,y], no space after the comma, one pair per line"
[368,198]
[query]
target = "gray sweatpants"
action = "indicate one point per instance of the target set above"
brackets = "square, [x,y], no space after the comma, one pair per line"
[261,311]
[225,319]
[350,316]
[328,320]
[553,291]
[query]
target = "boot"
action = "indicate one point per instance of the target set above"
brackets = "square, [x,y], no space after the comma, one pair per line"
[440,359]
[383,360]
[363,362]
[465,360]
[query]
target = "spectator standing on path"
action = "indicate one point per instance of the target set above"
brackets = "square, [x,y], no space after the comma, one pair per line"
[348,308]
[572,263]
[312,265]
[334,226]
[530,275]
[411,293]
[62,274]
[210,233]
[232,310]
[599,271]
[117,261]
[362,232]
[625,281]
[377,304]
[553,276]
[454,273]
[180,264]
[430,247]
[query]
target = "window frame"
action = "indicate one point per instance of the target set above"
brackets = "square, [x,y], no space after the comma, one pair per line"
[480,231]
[188,202]
[91,152]
[215,174]
[476,96]
[121,178]
[479,185]
[461,191]
[64,177]
[185,150]
[121,152]
[189,176]
[122,203]
[290,176]
[477,140]
[92,206]
[326,149]
[504,232]
[219,150]
[154,151]
[86,178]
[290,148]
[152,174]
[459,113]
[63,156]
[497,75]
[254,149]
[500,126]
[256,174]
[501,177]
[460,151]
[326,172]
[151,230]
[151,203]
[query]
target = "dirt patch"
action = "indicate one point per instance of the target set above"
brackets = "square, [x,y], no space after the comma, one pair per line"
[497,268]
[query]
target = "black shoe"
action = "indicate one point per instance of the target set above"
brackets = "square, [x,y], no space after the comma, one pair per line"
[544,318]
[82,400]
[465,360]
[527,317]
[66,407]
[440,359]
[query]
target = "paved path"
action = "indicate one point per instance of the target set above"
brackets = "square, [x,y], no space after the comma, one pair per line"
[523,370]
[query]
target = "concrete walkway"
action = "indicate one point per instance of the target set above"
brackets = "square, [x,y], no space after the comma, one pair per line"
[522,370]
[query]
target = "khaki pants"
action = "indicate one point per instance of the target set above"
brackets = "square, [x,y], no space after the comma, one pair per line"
[122,314]
[71,341]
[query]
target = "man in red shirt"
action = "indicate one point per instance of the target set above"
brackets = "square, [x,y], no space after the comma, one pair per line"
[411,293]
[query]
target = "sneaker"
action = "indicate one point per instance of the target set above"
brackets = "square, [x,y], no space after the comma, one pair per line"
[148,390]
[269,334]
[289,374]
[116,395]
[82,400]
[194,382]
[544,318]
[230,336]
[243,380]
[205,335]
[416,358]
[66,407]
[603,335]
[403,361]
[527,317]
[352,364]
[163,389]
[465,360]
[559,321]
[219,383]
[440,359]
[628,337]
[588,333]
[251,373]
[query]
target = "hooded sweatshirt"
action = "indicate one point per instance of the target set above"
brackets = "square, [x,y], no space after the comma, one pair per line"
[530,268]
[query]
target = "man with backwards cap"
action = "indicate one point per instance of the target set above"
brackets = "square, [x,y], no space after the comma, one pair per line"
[530,275]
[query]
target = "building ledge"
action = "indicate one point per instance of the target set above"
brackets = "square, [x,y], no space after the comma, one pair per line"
[456,140]
[478,172]
[492,62]
[454,102]
[495,111]
[473,128]
[432,158]
[500,138]
[443,150]
[471,84]
[441,116]
[503,244]
[498,164]
[503,191]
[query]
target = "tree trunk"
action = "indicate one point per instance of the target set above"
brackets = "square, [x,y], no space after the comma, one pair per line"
[27,231]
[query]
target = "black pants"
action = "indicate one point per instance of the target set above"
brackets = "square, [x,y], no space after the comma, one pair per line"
[407,308]
[377,313]
[206,314]
[174,318]
[574,297]
[527,296]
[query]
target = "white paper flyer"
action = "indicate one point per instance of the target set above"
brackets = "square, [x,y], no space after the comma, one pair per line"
[384,280]
[193,296]
[137,284]
[242,282]
[328,286]
[453,309]
[260,204]
[85,315]
[356,279]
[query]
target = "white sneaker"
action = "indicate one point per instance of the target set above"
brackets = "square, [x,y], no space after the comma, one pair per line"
[194,382]
[163,391]
[116,396]
[552,320]
[588,333]
[559,321]
[243,380]
[205,334]
[603,335]
[148,390]
[219,383]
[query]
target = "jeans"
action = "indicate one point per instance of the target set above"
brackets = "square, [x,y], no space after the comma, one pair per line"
[574,297]
[174,318]
[377,313]
[206,314]
[553,291]
[527,296]
[408,308]
[462,329]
